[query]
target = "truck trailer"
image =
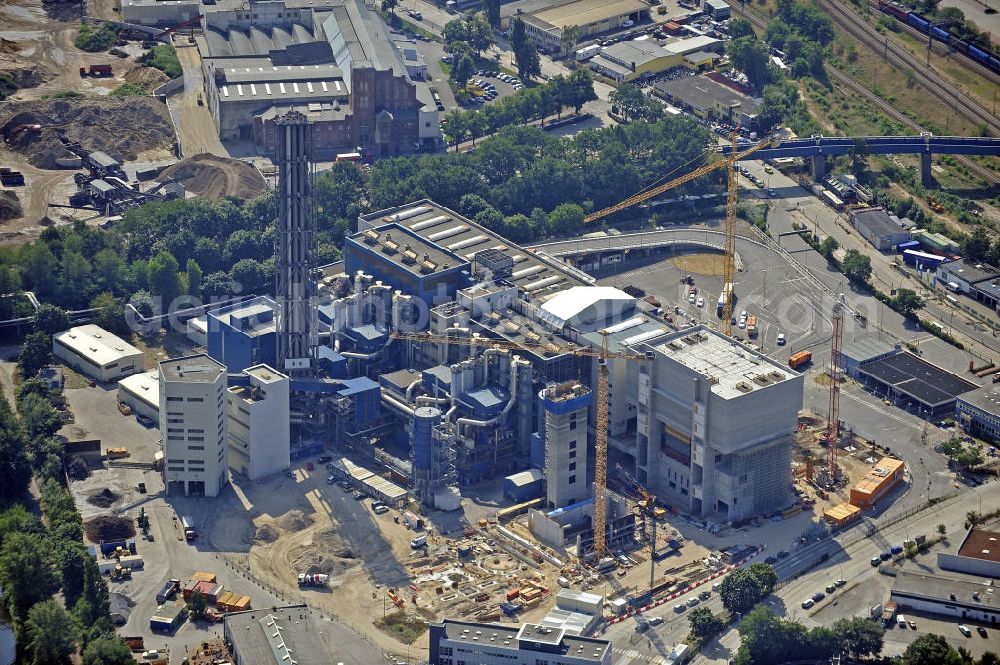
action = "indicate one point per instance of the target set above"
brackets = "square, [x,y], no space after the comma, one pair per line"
[187,523]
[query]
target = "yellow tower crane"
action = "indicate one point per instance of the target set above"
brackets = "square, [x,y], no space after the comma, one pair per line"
[729,161]
[600,407]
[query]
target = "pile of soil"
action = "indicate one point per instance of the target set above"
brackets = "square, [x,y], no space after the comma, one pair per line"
[121,607]
[265,534]
[294,520]
[103,499]
[95,123]
[214,177]
[10,205]
[147,77]
[326,554]
[108,527]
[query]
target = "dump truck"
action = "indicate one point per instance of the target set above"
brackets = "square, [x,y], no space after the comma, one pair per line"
[751,326]
[888,612]
[97,71]
[167,591]
[800,359]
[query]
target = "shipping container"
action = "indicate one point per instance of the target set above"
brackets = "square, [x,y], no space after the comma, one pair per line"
[133,562]
[799,359]
[168,618]
[925,259]
[204,577]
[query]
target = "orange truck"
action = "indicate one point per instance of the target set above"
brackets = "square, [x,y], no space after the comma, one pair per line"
[751,326]
[799,359]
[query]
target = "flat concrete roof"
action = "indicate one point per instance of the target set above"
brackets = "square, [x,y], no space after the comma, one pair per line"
[866,348]
[878,220]
[585,12]
[408,250]
[704,93]
[938,587]
[95,344]
[199,368]
[986,398]
[981,544]
[144,386]
[733,369]
[918,378]
[973,273]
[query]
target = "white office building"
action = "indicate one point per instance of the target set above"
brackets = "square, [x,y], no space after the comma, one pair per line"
[259,423]
[193,425]
[94,351]
[457,642]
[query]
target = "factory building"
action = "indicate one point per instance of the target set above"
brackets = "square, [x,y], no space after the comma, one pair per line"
[141,393]
[566,409]
[93,351]
[913,383]
[335,63]
[875,226]
[946,595]
[243,335]
[454,642]
[193,425]
[978,412]
[978,554]
[714,424]
[978,281]
[709,99]
[859,352]
[545,20]
[259,422]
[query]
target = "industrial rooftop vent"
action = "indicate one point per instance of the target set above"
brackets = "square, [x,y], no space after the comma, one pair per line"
[493,264]
[776,376]
[409,256]
[744,387]
[675,346]
[761,380]
[371,237]
[390,245]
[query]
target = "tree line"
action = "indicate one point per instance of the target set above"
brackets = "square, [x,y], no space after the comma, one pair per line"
[524,106]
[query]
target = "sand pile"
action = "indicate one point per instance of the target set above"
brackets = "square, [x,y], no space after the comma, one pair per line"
[108,527]
[214,177]
[148,77]
[294,520]
[104,498]
[326,554]
[120,127]
[10,205]
[265,534]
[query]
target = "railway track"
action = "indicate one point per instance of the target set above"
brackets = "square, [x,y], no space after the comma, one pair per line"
[934,83]
[843,79]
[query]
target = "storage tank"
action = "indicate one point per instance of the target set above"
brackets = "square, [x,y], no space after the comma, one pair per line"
[424,420]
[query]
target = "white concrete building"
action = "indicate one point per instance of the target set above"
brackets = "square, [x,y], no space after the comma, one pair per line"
[456,642]
[259,423]
[714,424]
[141,392]
[193,424]
[97,353]
[566,407]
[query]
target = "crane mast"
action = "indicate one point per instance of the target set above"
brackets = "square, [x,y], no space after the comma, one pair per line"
[833,410]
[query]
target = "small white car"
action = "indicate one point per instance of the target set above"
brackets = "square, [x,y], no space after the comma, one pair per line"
[807,603]
[701,301]
[692,298]
[964,630]
[782,339]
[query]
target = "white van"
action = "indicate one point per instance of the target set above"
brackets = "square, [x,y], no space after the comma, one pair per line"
[418,542]
[563,582]
[900,621]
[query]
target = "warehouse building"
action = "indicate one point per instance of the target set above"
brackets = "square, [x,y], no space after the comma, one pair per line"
[259,423]
[545,20]
[979,554]
[965,599]
[718,10]
[709,99]
[453,642]
[293,634]
[93,351]
[978,281]
[193,425]
[159,13]
[859,352]
[141,392]
[628,61]
[978,412]
[336,63]
[714,424]
[914,384]
[875,226]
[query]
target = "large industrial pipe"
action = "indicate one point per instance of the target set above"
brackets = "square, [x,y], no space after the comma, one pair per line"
[510,403]
[393,402]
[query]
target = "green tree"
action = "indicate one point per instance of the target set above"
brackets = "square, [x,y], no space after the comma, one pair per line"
[36,353]
[969,457]
[750,56]
[704,624]
[859,637]
[94,602]
[907,302]
[194,276]
[38,416]
[629,100]
[161,274]
[49,319]
[197,605]
[479,33]
[976,246]
[942,529]
[579,89]
[26,572]
[250,275]
[390,6]
[108,650]
[71,559]
[39,268]
[109,271]
[859,152]
[857,266]
[745,587]
[462,67]
[740,27]
[492,8]
[15,471]
[525,51]
[52,633]
[75,279]
[110,314]
[569,38]
[566,218]
[930,649]
[829,246]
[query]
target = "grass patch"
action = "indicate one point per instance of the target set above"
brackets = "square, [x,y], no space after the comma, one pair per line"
[402,626]
[164,58]
[397,22]
[73,379]
[8,86]
[128,90]
[92,41]
[64,94]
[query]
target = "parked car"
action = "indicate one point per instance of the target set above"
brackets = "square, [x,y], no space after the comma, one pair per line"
[807,603]
[782,339]
[693,601]
[705,595]
[783,554]
[818,596]
[771,560]
[701,301]
[680,607]
[982,631]
[331,480]
[964,630]
[656,621]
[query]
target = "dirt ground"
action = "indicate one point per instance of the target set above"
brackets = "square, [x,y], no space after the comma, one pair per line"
[700,263]
[214,177]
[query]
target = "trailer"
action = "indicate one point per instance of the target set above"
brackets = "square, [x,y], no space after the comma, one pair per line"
[187,523]
[168,591]
[799,359]
[97,71]
[168,618]
[588,52]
